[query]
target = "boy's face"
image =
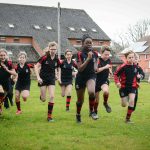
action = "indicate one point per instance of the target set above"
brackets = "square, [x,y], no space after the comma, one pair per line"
[22,59]
[68,55]
[52,50]
[106,55]
[87,43]
[131,58]
[3,56]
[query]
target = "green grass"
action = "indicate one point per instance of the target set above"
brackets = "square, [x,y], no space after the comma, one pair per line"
[31,131]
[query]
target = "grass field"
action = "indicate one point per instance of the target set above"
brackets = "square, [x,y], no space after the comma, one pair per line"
[31,131]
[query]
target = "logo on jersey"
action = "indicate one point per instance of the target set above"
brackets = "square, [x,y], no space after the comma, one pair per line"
[27,70]
[135,70]
[122,94]
[77,86]
[46,62]
[55,64]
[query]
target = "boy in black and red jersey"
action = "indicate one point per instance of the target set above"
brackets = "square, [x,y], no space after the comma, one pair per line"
[86,76]
[102,81]
[6,70]
[48,64]
[23,80]
[65,80]
[125,78]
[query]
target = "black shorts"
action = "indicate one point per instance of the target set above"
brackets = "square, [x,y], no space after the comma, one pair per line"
[99,84]
[21,87]
[126,91]
[5,84]
[65,83]
[81,81]
[47,83]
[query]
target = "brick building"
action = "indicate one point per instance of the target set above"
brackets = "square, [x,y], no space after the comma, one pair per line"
[142,48]
[30,28]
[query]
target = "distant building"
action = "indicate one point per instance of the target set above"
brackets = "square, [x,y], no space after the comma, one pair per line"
[31,28]
[142,48]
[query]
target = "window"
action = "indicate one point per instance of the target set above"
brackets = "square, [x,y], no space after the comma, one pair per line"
[16,40]
[101,42]
[78,41]
[145,56]
[71,28]
[83,29]
[48,27]
[94,30]
[11,25]
[2,39]
[36,27]
[149,65]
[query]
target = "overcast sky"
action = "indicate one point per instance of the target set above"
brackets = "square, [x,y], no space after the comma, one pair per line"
[113,16]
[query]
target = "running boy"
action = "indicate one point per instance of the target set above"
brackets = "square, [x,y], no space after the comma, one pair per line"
[66,78]
[125,78]
[87,65]
[102,81]
[46,77]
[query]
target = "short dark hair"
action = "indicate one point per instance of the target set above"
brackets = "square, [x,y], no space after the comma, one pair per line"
[128,53]
[105,48]
[84,37]
[67,50]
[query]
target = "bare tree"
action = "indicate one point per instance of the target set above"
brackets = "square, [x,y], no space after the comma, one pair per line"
[139,30]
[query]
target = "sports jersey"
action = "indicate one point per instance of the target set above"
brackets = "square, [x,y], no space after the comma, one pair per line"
[48,66]
[103,75]
[127,75]
[66,70]
[4,75]
[23,73]
[89,70]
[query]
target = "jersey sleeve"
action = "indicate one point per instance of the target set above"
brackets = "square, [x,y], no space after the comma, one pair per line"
[41,59]
[79,58]
[30,65]
[118,73]
[10,65]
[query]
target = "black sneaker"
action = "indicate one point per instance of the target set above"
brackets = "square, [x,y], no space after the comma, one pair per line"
[128,121]
[93,115]
[67,108]
[78,118]
[50,119]
[107,107]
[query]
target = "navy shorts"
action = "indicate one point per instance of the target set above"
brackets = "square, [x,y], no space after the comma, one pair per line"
[126,91]
[81,81]
[21,87]
[47,83]
[99,84]
[65,83]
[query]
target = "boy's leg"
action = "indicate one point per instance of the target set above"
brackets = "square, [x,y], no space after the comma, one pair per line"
[43,93]
[105,89]
[17,99]
[130,107]
[68,94]
[51,90]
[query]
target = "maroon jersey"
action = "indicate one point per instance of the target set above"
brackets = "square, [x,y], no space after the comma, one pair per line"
[127,75]
[23,73]
[66,70]
[103,75]
[48,66]
[89,70]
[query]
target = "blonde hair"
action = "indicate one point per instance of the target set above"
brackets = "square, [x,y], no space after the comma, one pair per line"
[51,44]
[3,50]
[22,53]
[128,53]
[105,48]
